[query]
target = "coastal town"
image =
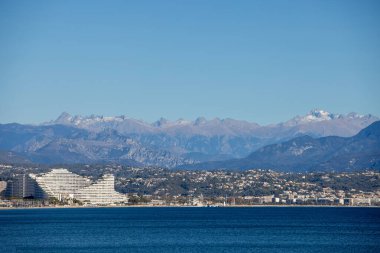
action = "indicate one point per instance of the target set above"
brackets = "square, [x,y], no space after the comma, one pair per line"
[116,185]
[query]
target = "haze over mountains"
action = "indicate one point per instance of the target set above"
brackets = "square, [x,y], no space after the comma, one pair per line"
[94,139]
[361,151]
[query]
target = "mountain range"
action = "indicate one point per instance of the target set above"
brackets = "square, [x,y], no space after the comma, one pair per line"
[305,153]
[98,139]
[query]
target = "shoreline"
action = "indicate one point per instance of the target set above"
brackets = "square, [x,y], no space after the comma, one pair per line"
[168,206]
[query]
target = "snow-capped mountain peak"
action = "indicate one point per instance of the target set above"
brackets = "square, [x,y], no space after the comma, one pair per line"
[315,115]
[64,118]
[161,122]
[319,115]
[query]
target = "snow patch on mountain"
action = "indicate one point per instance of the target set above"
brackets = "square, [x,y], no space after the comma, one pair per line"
[297,151]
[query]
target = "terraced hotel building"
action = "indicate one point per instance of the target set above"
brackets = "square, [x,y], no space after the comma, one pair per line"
[63,184]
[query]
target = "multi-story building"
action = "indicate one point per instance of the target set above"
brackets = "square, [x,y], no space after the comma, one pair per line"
[63,184]
[3,186]
[102,192]
[23,186]
[60,183]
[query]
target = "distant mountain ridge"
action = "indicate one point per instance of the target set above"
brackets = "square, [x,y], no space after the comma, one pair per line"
[220,137]
[230,126]
[93,139]
[361,151]
[64,144]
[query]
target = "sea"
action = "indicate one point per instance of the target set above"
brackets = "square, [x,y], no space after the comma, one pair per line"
[189,229]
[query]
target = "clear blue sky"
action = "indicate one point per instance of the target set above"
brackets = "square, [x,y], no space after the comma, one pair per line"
[261,61]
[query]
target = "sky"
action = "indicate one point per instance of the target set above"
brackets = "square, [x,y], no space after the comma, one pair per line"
[260,61]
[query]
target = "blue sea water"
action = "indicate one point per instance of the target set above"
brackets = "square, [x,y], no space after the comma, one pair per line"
[258,229]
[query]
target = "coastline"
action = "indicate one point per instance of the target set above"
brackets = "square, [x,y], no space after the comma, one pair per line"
[172,206]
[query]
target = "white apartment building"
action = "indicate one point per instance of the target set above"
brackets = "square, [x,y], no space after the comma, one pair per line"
[60,183]
[63,184]
[102,192]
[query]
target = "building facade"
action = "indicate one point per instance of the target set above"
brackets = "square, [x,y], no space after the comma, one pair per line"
[3,186]
[63,184]
[102,192]
[21,187]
